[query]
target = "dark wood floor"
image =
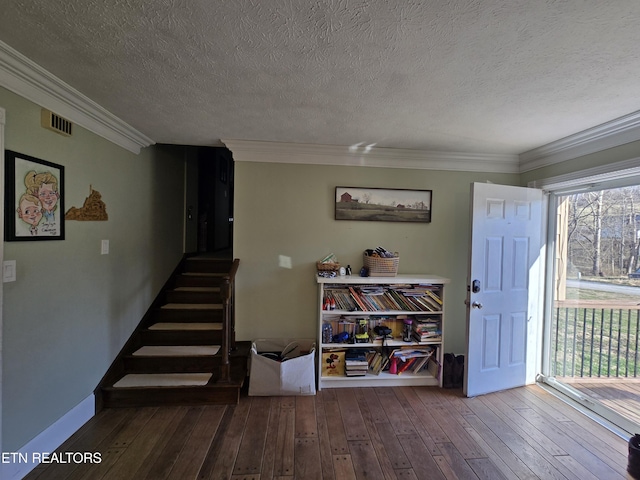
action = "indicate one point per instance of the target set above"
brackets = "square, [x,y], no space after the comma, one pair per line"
[355,433]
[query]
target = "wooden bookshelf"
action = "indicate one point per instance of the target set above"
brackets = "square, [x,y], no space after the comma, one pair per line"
[348,302]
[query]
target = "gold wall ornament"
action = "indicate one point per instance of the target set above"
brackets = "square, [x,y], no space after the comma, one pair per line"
[93,209]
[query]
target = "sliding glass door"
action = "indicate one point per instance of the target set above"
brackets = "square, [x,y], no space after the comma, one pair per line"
[593,330]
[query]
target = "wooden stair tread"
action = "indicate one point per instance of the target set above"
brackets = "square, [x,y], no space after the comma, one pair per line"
[197,289]
[185,326]
[177,350]
[134,380]
[180,353]
[203,274]
[192,306]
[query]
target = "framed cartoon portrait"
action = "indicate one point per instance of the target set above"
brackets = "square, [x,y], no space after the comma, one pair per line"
[34,198]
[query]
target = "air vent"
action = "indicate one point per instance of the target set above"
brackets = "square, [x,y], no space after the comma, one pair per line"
[56,123]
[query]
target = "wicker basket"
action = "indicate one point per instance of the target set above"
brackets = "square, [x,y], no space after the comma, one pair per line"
[382,267]
[327,267]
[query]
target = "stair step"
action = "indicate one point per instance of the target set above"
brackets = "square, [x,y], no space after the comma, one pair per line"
[197,289]
[187,314]
[204,274]
[198,280]
[189,295]
[166,362]
[210,394]
[192,306]
[171,364]
[177,334]
[177,350]
[210,265]
[133,380]
[228,394]
[185,326]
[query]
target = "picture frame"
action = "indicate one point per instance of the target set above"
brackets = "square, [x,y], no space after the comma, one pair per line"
[34,199]
[383,204]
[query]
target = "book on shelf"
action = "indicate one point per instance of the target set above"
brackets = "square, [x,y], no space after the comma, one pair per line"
[420,364]
[356,358]
[356,362]
[434,296]
[426,338]
[434,367]
[379,363]
[333,363]
[404,366]
[426,330]
[428,325]
[375,363]
[405,353]
[372,298]
[411,360]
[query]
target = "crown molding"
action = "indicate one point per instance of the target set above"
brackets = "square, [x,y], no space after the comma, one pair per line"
[603,176]
[27,79]
[369,156]
[611,134]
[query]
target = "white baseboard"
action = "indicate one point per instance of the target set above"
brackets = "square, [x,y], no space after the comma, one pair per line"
[16,465]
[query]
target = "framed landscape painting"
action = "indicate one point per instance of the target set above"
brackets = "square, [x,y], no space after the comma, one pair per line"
[383,204]
[34,198]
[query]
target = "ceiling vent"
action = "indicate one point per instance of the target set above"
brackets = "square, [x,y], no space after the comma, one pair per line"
[56,123]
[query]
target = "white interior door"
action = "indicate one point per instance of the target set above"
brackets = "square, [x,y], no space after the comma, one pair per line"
[504,302]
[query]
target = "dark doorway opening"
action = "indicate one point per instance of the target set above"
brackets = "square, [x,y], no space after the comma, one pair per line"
[215,201]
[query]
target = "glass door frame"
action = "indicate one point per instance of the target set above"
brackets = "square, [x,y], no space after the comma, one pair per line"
[589,180]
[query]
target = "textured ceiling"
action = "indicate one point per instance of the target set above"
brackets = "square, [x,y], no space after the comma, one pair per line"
[483,76]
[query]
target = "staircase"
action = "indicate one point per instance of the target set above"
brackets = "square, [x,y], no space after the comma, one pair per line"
[184,350]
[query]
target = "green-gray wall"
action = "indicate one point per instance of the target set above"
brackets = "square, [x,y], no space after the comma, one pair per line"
[71,308]
[288,210]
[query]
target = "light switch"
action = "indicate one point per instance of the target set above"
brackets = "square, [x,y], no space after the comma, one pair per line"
[284,261]
[105,247]
[9,271]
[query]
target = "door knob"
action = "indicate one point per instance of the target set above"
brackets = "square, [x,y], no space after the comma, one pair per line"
[477,305]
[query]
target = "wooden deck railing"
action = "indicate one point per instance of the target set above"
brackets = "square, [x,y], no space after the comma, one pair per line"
[596,339]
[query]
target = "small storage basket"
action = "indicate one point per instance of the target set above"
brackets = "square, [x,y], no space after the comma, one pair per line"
[381,267]
[327,267]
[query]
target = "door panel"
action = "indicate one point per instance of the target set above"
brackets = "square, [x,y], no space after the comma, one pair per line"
[503,318]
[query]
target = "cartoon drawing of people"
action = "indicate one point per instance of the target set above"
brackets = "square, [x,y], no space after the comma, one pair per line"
[30,211]
[44,186]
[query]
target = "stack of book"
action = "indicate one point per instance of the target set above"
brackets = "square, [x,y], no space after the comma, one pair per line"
[355,363]
[426,330]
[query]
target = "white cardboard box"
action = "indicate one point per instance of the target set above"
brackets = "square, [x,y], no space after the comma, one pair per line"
[294,376]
